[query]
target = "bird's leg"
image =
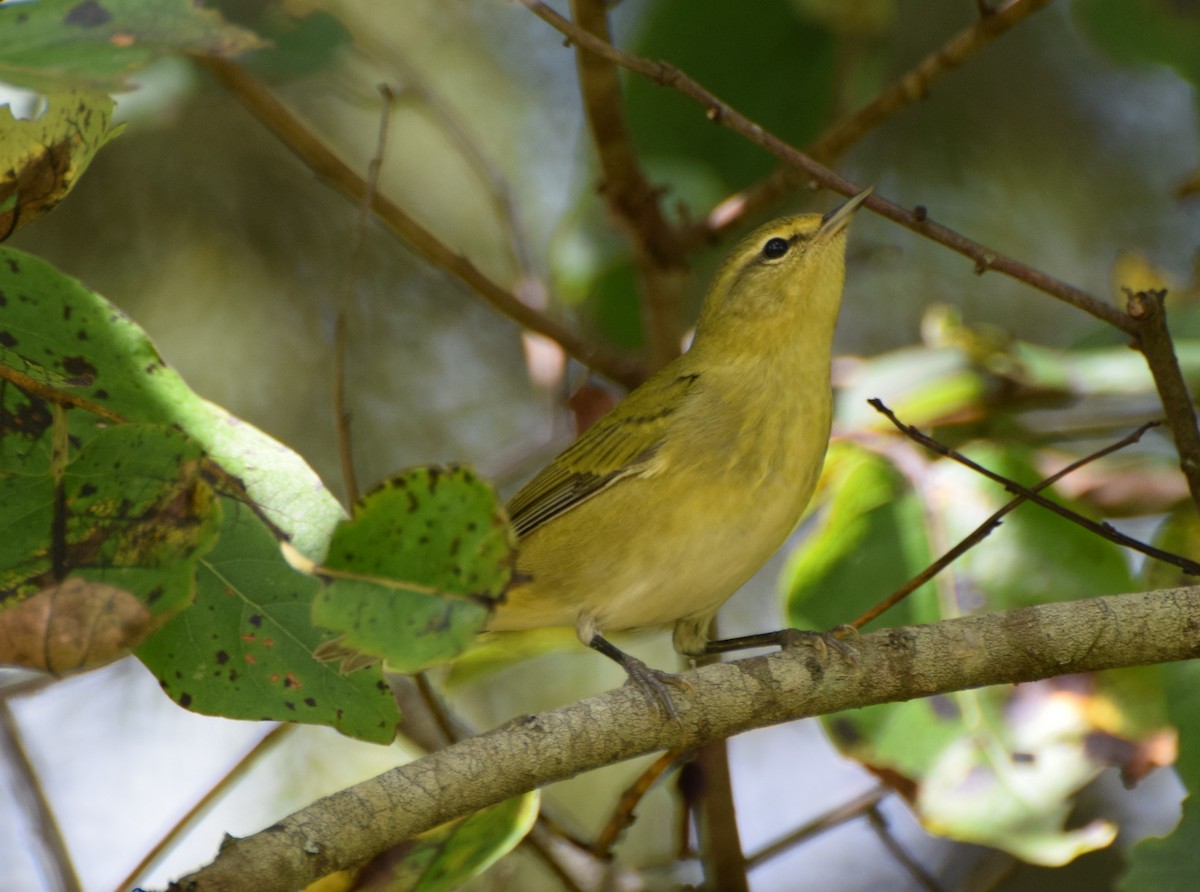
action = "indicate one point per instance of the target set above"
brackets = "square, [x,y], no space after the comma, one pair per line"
[652,682]
[785,639]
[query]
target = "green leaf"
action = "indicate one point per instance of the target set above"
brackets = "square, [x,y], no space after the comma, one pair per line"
[50,45]
[61,341]
[921,385]
[795,105]
[996,767]
[300,41]
[63,345]
[449,856]
[415,573]
[1173,863]
[245,648]
[869,540]
[1035,556]
[1158,31]
[131,518]
[44,157]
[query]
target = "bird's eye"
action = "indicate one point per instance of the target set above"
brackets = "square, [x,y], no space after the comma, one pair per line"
[775,248]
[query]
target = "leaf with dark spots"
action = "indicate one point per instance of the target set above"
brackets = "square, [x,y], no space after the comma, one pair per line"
[436,541]
[81,371]
[99,44]
[88,14]
[247,647]
[7,340]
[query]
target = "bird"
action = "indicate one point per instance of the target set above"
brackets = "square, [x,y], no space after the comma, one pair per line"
[663,508]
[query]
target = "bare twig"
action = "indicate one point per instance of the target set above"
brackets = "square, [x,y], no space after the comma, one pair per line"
[265,745]
[634,202]
[341,411]
[720,112]
[294,134]
[911,86]
[467,142]
[879,824]
[847,811]
[984,529]
[622,815]
[1148,312]
[1104,530]
[52,854]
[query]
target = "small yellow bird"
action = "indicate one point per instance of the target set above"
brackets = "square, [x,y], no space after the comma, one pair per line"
[670,502]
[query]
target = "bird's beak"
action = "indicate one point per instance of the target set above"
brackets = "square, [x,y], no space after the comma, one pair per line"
[839,218]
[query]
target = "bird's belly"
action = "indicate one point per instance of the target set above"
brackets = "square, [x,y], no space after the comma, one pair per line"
[632,562]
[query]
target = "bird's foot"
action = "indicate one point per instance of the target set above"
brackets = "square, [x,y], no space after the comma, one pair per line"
[651,682]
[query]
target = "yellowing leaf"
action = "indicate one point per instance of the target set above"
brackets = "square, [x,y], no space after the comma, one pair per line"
[42,159]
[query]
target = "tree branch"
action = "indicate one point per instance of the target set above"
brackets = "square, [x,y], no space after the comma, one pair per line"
[633,201]
[918,221]
[911,86]
[294,134]
[1030,643]
[1148,311]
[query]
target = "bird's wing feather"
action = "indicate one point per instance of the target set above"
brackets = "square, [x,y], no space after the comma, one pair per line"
[621,444]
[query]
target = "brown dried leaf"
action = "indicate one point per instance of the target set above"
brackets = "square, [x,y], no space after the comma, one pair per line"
[73,625]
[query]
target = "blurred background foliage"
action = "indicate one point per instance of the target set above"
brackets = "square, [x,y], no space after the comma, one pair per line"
[1069,143]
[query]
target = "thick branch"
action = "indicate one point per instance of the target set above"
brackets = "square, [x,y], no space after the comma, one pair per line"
[633,201]
[720,112]
[304,144]
[1031,643]
[911,86]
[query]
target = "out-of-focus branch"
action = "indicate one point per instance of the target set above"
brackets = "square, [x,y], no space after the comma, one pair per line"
[300,139]
[631,198]
[918,221]
[911,86]
[1148,312]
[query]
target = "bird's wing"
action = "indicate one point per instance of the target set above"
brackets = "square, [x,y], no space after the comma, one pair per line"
[621,444]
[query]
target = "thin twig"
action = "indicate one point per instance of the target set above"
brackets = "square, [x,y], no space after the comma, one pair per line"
[910,87]
[52,854]
[341,411]
[847,811]
[634,202]
[264,746]
[302,142]
[451,729]
[459,132]
[1104,530]
[984,529]
[622,815]
[1147,310]
[918,221]
[541,841]
[879,824]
